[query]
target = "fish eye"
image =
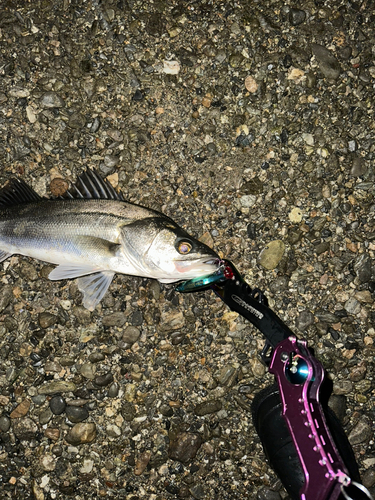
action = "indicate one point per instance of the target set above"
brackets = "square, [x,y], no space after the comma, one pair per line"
[184,247]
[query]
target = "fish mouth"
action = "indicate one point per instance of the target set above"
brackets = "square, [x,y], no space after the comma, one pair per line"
[198,267]
[212,261]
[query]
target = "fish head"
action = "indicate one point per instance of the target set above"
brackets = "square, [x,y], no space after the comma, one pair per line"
[168,253]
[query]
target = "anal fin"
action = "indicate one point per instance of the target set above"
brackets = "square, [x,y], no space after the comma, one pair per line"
[93,288]
[4,255]
[70,271]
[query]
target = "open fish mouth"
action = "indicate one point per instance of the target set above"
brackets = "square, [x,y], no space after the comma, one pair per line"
[212,262]
[198,267]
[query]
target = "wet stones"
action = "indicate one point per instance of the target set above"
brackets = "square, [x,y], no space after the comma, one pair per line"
[24,428]
[304,320]
[361,432]
[103,380]
[51,100]
[81,433]
[131,334]
[47,319]
[76,413]
[5,423]
[57,405]
[272,254]
[184,446]
[6,295]
[362,267]
[296,16]
[328,64]
[21,410]
[207,407]
[57,386]
[115,319]
[171,320]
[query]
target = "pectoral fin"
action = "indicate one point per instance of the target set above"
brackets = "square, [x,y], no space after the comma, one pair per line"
[93,288]
[92,283]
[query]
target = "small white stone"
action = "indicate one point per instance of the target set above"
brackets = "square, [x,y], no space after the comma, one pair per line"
[171,67]
[66,304]
[295,215]
[31,116]
[87,466]
[248,200]
[308,138]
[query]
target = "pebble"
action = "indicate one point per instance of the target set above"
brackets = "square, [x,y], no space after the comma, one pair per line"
[48,462]
[338,406]
[352,306]
[58,187]
[113,431]
[248,200]
[304,320]
[115,319]
[45,416]
[21,410]
[5,423]
[46,319]
[295,215]
[76,121]
[171,67]
[113,390]
[358,372]
[184,446]
[24,429]
[197,491]
[362,267]
[171,320]
[251,84]
[142,462]
[257,367]
[207,407]
[136,318]
[18,92]
[368,478]
[76,413]
[272,254]
[81,433]
[88,370]
[359,167]
[104,380]
[52,433]
[225,375]
[51,100]
[6,296]
[87,466]
[268,494]
[131,334]
[296,16]
[342,387]
[328,64]
[361,433]
[57,386]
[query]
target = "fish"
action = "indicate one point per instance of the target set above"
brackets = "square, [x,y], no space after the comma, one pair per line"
[92,233]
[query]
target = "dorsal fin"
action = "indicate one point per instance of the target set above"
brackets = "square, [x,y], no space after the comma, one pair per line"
[90,185]
[15,192]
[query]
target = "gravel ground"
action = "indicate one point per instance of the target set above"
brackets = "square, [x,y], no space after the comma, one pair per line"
[252,125]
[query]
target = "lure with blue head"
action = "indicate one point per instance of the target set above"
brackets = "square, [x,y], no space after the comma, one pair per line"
[202,282]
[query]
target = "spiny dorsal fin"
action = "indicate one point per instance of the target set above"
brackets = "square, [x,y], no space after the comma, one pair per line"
[15,192]
[90,185]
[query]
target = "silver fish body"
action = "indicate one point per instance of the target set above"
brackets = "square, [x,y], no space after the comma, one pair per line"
[94,234]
